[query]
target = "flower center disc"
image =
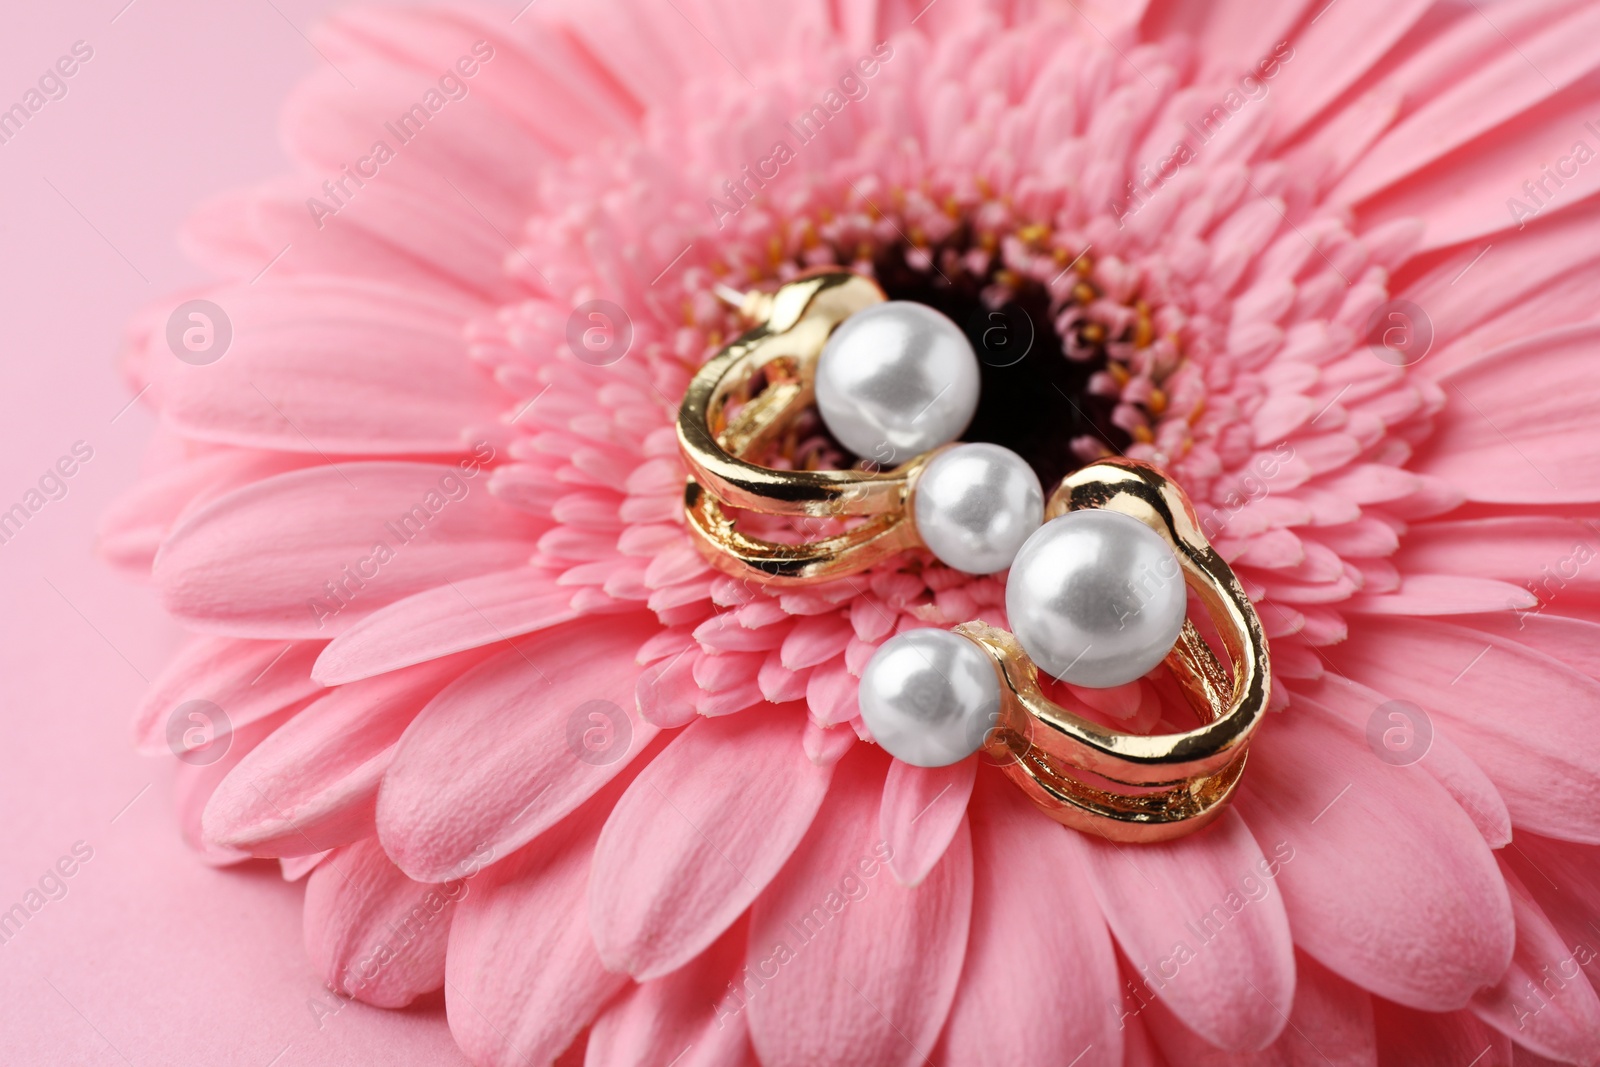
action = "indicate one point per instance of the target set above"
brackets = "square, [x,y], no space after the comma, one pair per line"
[1035,400]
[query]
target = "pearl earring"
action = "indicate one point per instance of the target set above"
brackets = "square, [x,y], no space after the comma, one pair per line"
[896,383]
[1097,598]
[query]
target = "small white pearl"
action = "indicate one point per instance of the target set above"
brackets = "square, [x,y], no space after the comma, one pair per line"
[930,697]
[975,504]
[1096,598]
[897,380]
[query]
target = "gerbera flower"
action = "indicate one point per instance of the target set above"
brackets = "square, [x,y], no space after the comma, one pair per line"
[1333,266]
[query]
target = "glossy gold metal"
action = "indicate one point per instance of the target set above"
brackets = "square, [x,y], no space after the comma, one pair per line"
[1129,787]
[1125,787]
[743,400]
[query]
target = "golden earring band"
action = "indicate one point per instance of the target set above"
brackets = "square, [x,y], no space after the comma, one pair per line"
[1131,787]
[725,417]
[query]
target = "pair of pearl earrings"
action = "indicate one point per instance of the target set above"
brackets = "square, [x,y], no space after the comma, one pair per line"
[1099,573]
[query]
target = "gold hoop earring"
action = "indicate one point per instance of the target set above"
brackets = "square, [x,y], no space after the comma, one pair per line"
[940,695]
[752,391]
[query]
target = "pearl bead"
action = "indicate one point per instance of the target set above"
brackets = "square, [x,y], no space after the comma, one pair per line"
[930,697]
[1096,598]
[897,380]
[975,505]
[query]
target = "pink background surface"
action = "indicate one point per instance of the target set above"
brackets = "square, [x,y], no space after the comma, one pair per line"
[150,957]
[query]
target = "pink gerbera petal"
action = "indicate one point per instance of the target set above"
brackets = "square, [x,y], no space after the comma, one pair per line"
[505,745]
[1015,967]
[921,811]
[373,933]
[522,979]
[1370,897]
[834,938]
[331,545]
[668,1014]
[708,863]
[1544,999]
[313,785]
[1204,928]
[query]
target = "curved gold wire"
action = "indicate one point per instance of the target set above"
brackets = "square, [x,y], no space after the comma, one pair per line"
[1132,787]
[741,401]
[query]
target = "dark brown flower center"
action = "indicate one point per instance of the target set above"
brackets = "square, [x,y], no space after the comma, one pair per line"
[1035,400]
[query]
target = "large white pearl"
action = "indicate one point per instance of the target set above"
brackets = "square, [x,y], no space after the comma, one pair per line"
[975,504]
[897,380]
[1096,598]
[930,697]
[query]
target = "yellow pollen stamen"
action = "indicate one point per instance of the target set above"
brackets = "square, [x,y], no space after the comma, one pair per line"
[1084,293]
[1144,330]
[1094,333]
